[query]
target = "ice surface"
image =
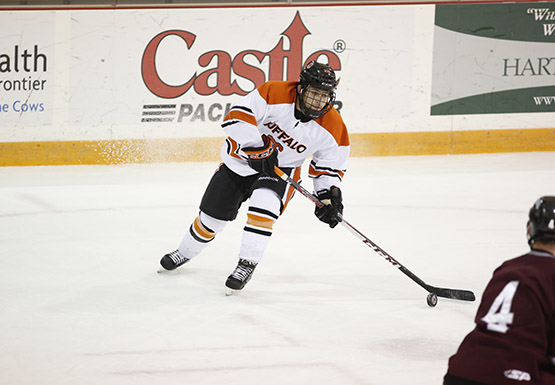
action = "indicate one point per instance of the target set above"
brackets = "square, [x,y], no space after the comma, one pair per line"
[81,301]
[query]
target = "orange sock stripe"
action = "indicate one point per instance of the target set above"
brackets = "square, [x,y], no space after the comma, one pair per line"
[258,221]
[202,231]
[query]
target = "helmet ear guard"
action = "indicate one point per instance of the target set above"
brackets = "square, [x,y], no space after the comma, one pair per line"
[541,222]
[321,77]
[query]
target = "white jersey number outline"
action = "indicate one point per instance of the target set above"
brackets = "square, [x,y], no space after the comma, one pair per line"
[499,314]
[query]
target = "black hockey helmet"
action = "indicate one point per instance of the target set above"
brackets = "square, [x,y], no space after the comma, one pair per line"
[541,222]
[319,76]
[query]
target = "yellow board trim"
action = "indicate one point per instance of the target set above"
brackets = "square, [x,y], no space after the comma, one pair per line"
[109,151]
[208,149]
[458,142]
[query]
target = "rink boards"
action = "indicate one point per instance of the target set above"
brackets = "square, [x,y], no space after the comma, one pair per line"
[124,84]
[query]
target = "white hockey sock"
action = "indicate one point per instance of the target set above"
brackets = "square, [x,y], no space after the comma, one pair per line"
[201,232]
[263,212]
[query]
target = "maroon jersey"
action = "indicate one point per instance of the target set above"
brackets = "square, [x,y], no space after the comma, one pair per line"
[514,338]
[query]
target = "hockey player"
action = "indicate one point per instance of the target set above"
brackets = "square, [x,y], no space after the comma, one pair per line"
[514,338]
[281,123]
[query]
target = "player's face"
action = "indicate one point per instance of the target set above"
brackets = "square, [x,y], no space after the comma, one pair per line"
[315,99]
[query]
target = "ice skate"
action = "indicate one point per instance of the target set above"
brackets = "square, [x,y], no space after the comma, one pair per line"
[172,261]
[241,275]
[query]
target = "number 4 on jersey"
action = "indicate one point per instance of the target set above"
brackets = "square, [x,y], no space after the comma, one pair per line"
[499,314]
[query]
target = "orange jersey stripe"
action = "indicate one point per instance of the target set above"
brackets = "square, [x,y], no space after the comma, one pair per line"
[234,148]
[291,189]
[240,115]
[315,173]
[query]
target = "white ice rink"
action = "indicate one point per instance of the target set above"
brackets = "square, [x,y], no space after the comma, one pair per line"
[81,302]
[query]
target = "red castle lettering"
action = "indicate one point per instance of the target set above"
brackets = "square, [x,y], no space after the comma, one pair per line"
[226,65]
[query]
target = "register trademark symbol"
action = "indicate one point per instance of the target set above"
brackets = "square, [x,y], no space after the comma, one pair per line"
[339,46]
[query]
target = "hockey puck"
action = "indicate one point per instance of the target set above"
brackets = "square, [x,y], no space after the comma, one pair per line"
[431,299]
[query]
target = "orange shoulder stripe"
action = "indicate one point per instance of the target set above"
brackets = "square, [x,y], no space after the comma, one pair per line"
[278,92]
[333,123]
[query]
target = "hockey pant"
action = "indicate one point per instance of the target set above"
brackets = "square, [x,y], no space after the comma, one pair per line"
[267,199]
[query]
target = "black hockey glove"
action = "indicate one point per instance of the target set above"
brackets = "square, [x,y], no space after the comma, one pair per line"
[264,158]
[333,204]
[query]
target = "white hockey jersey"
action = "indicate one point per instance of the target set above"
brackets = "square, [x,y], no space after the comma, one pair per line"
[270,110]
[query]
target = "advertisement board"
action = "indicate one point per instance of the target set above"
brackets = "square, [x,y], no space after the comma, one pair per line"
[174,73]
[88,86]
[494,58]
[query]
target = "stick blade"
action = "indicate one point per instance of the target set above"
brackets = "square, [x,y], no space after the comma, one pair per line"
[462,295]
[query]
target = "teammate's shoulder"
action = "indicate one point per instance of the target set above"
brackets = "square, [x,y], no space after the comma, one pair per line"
[278,92]
[333,123]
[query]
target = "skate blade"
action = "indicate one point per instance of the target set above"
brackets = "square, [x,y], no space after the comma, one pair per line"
[230,292]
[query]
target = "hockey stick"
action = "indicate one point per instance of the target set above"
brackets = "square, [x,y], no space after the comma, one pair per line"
[463,295]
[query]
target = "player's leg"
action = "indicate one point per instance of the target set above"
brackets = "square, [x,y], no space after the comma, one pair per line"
[266,203]
[263,211]
[219,206]
[202,231]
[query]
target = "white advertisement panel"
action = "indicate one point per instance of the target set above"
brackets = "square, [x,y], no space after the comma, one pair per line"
[110,74]
[27,60]
[162,73]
